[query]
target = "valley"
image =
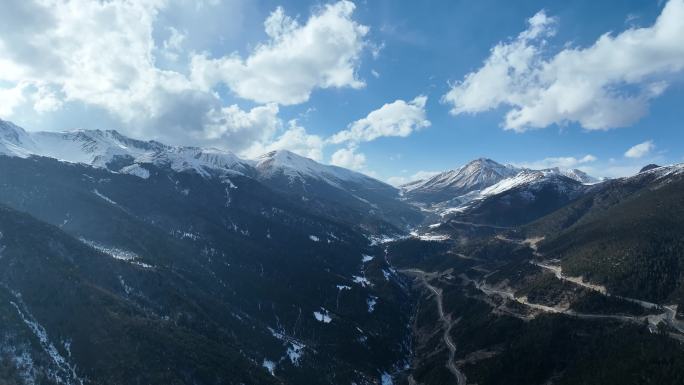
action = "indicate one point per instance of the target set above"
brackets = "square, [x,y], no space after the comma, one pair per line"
[205,268]
[341,192]
[499,274]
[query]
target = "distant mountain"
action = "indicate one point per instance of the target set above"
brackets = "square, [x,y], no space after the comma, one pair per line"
[477,179]
[296,168]
[111,150]
[649,167]
[484,192]
[518,200]
[476,175]
[337,192]
[331,190]
[577,175]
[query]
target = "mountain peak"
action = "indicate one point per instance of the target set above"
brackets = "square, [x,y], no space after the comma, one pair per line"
[474,175]
[487,165]
[293,165]
[649,167]
[575,174]
[283,156]
[99,148]
[484,161]
[10,132]
[486,176]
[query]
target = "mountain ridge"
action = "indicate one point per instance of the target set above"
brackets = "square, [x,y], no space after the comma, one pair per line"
[329,190]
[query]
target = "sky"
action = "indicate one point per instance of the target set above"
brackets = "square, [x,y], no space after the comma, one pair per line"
[398,90]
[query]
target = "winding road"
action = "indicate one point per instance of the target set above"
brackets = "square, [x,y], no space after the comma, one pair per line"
[668,315]
[446,321]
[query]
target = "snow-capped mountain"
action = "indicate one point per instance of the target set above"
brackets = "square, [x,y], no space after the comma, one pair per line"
[651,176]
[485,192]
[336,191]
[112,150]
[481,178]
[530,179]
[577,175]
[514,201]
[288,164]
[329,189]
[109,149]
[476,175]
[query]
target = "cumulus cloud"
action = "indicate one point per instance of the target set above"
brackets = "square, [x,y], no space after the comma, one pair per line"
[348,158]
[11,98]
[295,138]
[324,52]
[564,162]
[640,150]
[239,127]
[585,85]
[103,55]
[99,53]
[173,45]
[398,118]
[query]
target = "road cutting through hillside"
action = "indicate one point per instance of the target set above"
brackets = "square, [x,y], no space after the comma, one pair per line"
[668,316]
[446,321]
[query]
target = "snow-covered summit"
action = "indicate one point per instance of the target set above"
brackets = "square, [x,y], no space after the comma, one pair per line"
[576,174]
[656,174]
[291,165]
[99,148]
[112,150]
[530,179]
[476,175]
[456,190]
[14,140]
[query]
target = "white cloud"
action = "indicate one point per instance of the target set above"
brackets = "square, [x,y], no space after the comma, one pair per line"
[11,98]
[102,56]
[640,150]
[584,85]
[420,175]
[173,45]
[295,139]
[97,53]
[398,118]
[322,53]
[563,162]
[239,127]
[348,158]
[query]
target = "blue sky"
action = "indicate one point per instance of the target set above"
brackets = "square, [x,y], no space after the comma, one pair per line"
[395,89]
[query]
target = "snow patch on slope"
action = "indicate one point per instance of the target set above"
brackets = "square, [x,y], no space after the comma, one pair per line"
[66,372]
[116,253]
[104,197]
[295,348]
[322,316]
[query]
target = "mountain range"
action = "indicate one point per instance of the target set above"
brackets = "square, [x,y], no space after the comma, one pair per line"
[134,262]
